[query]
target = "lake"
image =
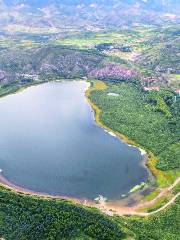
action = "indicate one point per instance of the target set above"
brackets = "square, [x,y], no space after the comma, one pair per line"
[50,142]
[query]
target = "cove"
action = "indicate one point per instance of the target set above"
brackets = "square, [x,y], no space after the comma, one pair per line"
[50,143]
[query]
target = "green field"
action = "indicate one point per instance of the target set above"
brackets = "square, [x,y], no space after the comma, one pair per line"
[90,39]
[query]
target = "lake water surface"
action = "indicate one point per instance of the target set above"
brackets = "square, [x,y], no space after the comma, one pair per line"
[49,142]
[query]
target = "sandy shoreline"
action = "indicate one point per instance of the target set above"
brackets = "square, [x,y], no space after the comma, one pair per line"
[83,202]
[108,208]
[22,190]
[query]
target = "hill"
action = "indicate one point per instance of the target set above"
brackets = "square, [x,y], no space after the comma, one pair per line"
[43,63]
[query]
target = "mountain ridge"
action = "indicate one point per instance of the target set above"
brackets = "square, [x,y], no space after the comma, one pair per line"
[88,14]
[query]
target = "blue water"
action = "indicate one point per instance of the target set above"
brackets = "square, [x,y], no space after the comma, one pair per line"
[49,142]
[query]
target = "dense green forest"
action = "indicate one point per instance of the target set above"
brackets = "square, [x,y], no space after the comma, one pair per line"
[25,218]
[149,118]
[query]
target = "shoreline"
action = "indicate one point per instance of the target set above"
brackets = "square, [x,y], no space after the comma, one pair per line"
[109,208]
[5,183]
[147,157]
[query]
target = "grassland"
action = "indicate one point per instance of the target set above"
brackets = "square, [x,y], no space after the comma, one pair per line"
[90,39]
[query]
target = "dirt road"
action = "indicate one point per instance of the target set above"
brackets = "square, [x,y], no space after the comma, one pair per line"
[111,209]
